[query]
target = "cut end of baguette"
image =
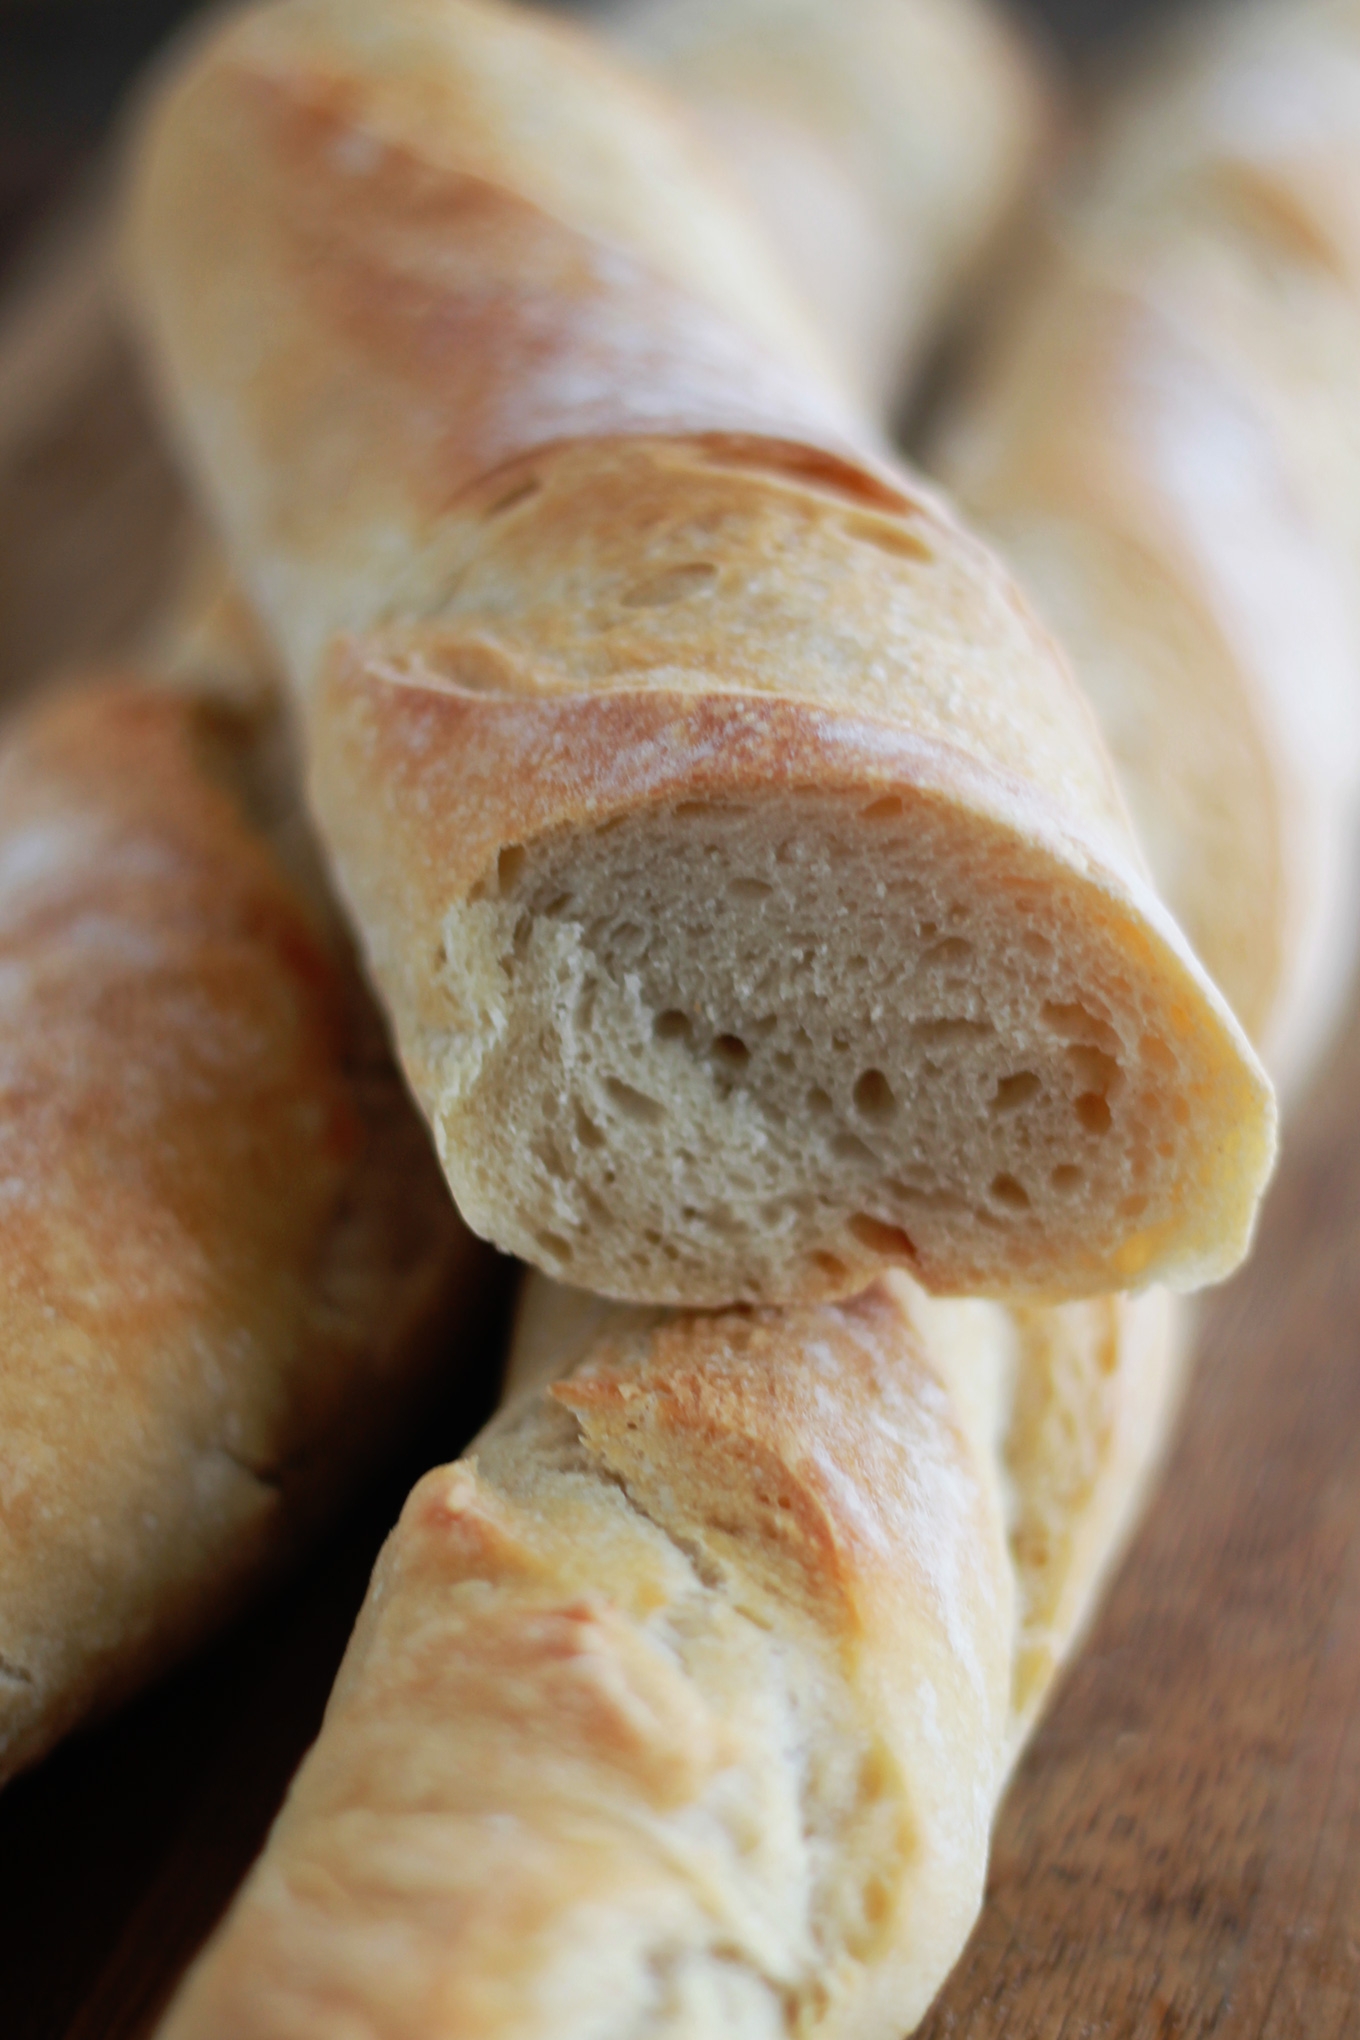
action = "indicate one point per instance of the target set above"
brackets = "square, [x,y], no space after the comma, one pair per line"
[795,1006]
[697,1095]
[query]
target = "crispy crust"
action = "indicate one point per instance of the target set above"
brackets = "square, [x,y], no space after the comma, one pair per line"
[1162,433]
[724,1620]
[403,327]
[677,1525]
[426,786]
[228,1262]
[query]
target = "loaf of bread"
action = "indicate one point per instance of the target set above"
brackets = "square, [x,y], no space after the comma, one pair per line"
[229,1265]
[1163,432]
[886,145]
[682,1706]
[749,892]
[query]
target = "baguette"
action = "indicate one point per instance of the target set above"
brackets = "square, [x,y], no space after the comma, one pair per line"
[229,1265]
[682,1706]
[885,144]
[1162,433]
[752,901]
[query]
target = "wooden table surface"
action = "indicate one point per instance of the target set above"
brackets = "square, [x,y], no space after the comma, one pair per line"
[1180,1853]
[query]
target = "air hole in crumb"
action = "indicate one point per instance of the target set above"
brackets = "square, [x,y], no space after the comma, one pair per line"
[877,1902]
[1133,1207]
[1007,1191]
[1155,1050]
[889,809]
[1037,944]
[831,1265]
[765,1026]
[895,539]
[511,500]
[818,2000]
[678,584]
[1013,1092]
[783,1060]
[671,1026]
[1093,1069]
[585,1005]
[587,1132]
[848,1147]
[874,1779]
[890,1241]
[634,1104]
[731,1051]
[1093,1112]
[554,1246]
[556,906]
[874,1096]
[1075,1022]
[509,865]
[819,1101]
[1066,1178]
[549,1154]
[750,889]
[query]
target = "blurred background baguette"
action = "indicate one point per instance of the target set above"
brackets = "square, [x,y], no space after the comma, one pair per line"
[1162,428]
[231,1270]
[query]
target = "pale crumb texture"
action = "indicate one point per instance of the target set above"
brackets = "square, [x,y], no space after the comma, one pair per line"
[226,1256]
[679,1709]
[540,493]
[695,1091]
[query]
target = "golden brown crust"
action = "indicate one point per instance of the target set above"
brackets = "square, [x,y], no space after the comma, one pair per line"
[1080,455]
[683,1704]
[724,1625]
[426,785]
[454,408]
[1163,434]
[227,1258]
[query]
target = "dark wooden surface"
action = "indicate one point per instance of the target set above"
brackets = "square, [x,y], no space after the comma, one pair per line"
[1180,1854]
